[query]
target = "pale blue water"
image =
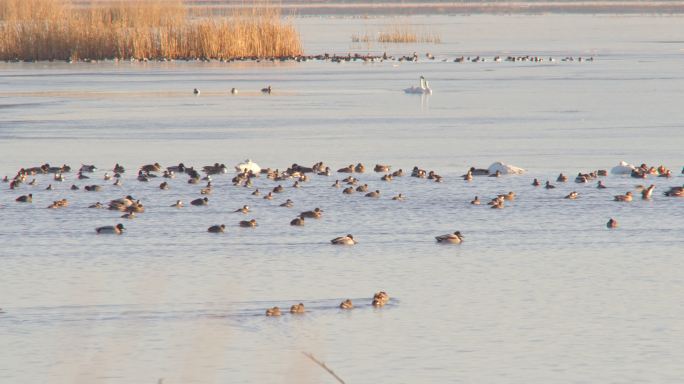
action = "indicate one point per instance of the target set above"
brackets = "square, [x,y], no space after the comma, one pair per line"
[540,291]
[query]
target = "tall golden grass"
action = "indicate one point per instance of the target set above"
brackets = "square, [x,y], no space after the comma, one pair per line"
[398,33]
[152,29]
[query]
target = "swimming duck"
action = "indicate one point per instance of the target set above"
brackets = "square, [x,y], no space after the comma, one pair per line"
[496,174]
[74,187]
[196,91]
[269,196]
[433,176]
[275,311]
[169,174]
[151,167]
[362,188]
[626,197]
[612,223]
[278,189]
[266,90]
[296,184]
[398,173]
[549,186]
[49,187]
[117,183]
[374,194]
[572,195]
[33,182]
[299,221]
[562,178]
[24,198]
[648,192]
[297,308]
[450,238]
[244,209]
[110,229]
[178,204]
[387,177]
[256,192]
[315,214]
[107,176]
[344,240]
[347,169]
[348,191]
[248,224]
[58,204]
[360,168]
[121,204]
[536,183]
[510,196]
[164,186]
[129,215]
[675,192]
[380,299]
[200,201]
[581,178]
[600,185]
[384,168]
[96,205]
[217,228]
[337,184]
[287,204]
[398,197]
[347,304]
[87,168]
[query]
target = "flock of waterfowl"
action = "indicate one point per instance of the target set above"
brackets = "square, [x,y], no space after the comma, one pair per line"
[335,58]
[380,299]
[248,171]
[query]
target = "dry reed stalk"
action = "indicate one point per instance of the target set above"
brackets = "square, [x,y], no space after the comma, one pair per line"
[154,29]
[322,365]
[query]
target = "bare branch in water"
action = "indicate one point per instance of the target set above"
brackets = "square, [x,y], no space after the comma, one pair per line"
[322,365]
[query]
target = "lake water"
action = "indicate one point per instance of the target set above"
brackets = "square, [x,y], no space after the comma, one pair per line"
[540,291]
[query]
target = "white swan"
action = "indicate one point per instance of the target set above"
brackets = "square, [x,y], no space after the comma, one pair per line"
[505,169]
[623,168]
[247,166]
[423,89]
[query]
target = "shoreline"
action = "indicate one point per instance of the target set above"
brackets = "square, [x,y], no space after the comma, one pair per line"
[468,7]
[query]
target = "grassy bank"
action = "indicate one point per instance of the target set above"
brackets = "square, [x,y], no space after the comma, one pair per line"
[153,29]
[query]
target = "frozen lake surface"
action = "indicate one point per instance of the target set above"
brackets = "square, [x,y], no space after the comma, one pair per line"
[540,291]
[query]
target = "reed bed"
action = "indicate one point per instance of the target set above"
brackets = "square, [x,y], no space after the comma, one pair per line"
[399,33]
[153,29]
